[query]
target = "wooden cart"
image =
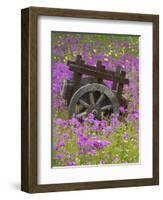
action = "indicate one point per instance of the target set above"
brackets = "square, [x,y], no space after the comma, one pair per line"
[89,94]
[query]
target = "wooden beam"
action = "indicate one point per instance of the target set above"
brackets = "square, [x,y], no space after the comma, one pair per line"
[92,71]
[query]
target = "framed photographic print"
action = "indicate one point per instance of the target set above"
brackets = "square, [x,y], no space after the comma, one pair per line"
[90,99]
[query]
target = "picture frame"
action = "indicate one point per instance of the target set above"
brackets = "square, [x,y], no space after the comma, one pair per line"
[29,98]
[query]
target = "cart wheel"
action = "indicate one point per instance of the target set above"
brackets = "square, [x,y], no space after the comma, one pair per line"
[93,98]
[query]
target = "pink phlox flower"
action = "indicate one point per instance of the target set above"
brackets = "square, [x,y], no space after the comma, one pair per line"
[61,122]
[73,121]
[96,126]
[125,136]
[59,156]
[122,109]
[90,118]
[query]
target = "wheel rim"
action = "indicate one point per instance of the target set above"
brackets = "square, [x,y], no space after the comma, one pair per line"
[93,98]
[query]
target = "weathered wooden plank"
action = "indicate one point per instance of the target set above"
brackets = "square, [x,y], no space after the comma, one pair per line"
[76,77]
[120,86]
[105,75]
[100,67]
[115,82]
[69,62]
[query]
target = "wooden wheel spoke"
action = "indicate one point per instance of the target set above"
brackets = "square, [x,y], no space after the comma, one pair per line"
[100,99]
[91,97]
[83,103]
[81,107]
[107,107]
[82,114]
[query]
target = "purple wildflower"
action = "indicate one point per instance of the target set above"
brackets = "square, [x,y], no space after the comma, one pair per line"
[103,124]
[59,145]
[114,120]
[125,136]
[59,156]
[92,152]
[109,84]
[96,127]
[122,109]
[90,118]
[107,130]
[100,144]
[73,121]
[71,163]
[60,122]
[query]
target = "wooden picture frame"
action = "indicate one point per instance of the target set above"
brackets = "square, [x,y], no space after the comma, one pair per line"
[29,97]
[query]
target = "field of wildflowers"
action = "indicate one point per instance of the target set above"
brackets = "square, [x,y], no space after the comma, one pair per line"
[112,139]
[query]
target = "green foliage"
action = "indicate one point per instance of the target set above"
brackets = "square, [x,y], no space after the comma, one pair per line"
[122,150]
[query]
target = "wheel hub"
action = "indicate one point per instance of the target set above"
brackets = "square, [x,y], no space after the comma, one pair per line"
[95,112]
